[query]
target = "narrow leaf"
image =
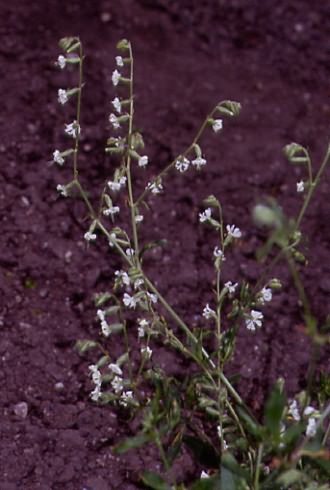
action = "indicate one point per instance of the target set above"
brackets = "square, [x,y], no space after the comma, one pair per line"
[154,481]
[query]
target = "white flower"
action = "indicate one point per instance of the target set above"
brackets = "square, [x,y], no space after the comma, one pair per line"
[115,369]
[96,375]
[309,410]
[116,77]
[119,61]
[182,164]
[106,330]
[72,129]
[138,283]
[217,252]
[199,162]
[117,384]
[62,190]
[138,218]
[217,125]
[57,157]
[205,215]
[311,427]
[231,287]
[123,277]
[208,312]
[89,236]
[143,161]
[125,397]
[153,297]
[114,121]
[116,186]
[113,236]
[300,186]
[146,352]
[96,393]
[129,301]
[154,187]
[265,295]
[254,320]
[111,211]
[116,104]
[61,61]
[143,324]
[62,96]
[233,231]
[294,411]
[204,475]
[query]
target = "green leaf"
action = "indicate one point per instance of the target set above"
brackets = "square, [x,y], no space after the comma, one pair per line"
[274,411]
[212,483]
[289,477]
[149,246]
[320,463]
[250,425]
[229,462]
[154,481]
[205,453]
[131,443]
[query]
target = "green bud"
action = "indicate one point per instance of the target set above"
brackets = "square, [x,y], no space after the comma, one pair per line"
[275,284]
[83,346]
[101,298]
[103,361]
[298,256]
[229,108]
[69,44]
[108,200]
[123,45]
[198,150]
[211,201]
[264,215]
[137,141]
[296,154]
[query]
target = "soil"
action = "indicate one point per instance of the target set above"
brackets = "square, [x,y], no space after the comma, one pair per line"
[273,57]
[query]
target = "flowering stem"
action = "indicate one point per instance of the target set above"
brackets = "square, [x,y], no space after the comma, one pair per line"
[128,159]
[75,155]
[187,150]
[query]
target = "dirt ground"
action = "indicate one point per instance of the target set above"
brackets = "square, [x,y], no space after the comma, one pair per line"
[273,57]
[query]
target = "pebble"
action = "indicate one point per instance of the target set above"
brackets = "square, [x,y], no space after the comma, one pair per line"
[21,410]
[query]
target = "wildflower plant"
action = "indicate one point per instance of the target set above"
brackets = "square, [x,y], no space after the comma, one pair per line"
[286,448]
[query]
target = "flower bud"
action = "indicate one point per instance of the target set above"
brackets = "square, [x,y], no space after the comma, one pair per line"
[69,44]
[264,215]
[211,201]
[229,108]
[275,284]
[123,45]
[296,154]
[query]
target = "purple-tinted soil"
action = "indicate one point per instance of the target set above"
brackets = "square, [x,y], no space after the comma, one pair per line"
[274,58]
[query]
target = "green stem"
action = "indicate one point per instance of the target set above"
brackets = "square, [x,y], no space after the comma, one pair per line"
[75,155]
[257,469]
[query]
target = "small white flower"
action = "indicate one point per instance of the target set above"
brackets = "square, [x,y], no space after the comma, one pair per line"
[129,301]
[125,397]
[254,320]
[116,77]
[89,236]
[154,187]
[115,369]
[138,218]
[147,352]
[113,236]
[62,96]
[143,324]
[231,287]
[57,157]
[123,277]
[116,186]
[233,231]
[62,190]
[61,61]
[199,162]
[205,215]
[96,393]
[265,295]
[72,129]
[300,186]
[96,375]
[138,283]
[208,312]
[153,297]
[143,161]
[217,125]
[311,427]
[111,211]
[106,330]
[217,252]
[130,252]
[309,410]
[116,104]
[114,121]
[294,411]
[182,164]
[119,61]
[204,475]
[117,384]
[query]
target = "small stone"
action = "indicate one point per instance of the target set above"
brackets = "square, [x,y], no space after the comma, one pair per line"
[105,17]
[21,410]
[59,386]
